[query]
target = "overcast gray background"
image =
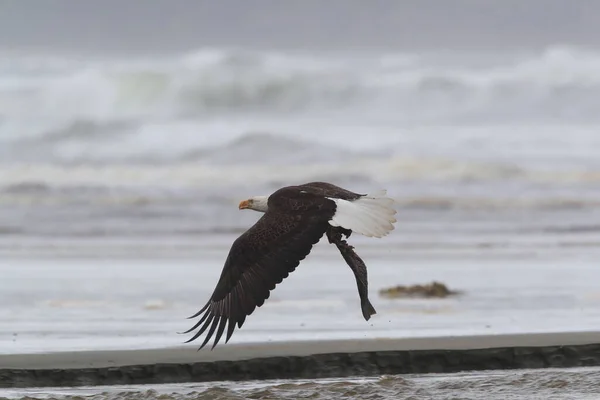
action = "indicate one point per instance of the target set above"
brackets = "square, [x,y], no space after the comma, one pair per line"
[178,25]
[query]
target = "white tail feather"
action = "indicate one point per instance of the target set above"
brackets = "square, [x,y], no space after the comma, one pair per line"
[371,215]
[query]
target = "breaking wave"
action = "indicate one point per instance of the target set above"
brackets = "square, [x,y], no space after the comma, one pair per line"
[401,170]
[213,81]
[70,109]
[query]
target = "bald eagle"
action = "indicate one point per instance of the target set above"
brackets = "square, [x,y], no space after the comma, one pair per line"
[295,218]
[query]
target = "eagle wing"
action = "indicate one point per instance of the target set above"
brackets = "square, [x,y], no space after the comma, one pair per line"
[329,190]
[261,258]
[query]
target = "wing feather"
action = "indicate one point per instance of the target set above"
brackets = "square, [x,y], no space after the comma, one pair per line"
[262,258]
[329,190]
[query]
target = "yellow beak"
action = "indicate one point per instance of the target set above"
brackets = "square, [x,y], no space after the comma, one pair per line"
[244,204]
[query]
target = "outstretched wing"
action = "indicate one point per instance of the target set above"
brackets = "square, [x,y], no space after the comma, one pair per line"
[329,190]
[261,258]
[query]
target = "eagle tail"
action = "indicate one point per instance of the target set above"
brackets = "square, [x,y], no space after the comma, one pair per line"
[370,215]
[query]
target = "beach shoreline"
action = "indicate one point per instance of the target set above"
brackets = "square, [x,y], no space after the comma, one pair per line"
[302,359]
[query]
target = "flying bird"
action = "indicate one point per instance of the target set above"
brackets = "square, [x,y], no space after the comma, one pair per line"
[295,218]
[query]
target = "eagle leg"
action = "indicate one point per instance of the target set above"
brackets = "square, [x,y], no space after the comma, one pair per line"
[356,264]
[334,235]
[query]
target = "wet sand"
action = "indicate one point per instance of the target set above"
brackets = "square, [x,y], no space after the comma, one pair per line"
[291,360]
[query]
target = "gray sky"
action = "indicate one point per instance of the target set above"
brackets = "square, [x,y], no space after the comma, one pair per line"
[175,25]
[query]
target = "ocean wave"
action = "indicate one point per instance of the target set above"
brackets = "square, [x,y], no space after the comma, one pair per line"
[195,199]
[226,106]
[265,149]
[113,215]
[31,194]
[228,81]
[402,170]
[89,143]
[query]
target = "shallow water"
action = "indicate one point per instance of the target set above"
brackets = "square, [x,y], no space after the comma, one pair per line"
[550,384]
[124,303]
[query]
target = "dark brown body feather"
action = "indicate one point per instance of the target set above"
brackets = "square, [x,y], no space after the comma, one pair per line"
[264,255]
